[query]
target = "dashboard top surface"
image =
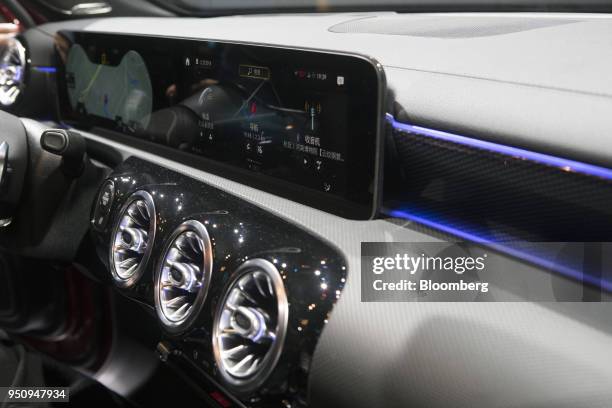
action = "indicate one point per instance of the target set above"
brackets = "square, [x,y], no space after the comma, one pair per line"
[445,69]
[525,48]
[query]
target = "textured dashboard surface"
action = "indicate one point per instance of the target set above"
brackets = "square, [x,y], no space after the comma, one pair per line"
[533,80]
[516,354]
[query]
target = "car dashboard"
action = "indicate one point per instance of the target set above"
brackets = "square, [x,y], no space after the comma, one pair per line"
[239,163]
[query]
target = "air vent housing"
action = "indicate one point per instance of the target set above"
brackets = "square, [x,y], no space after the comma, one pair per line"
[12,72]
[250,325]
[132,239]
[183,276]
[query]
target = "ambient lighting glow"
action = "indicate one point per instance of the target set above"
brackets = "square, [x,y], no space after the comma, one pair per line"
[47,70]
[500,247]
[481,237]
[566,165]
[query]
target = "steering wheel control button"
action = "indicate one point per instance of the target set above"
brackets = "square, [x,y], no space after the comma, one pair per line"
[54,141]
[68,144]
[103,206]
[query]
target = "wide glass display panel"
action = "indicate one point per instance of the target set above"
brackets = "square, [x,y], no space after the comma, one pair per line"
[301,124]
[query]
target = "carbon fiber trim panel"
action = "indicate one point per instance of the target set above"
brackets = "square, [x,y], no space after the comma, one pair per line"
[500,197]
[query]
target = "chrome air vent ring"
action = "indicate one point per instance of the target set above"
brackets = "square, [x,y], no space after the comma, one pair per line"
[250,325]
[132,239]
[12,71]
[183,276]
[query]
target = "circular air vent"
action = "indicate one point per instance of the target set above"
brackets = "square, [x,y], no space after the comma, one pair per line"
[250,325]
[12,71]
[183,276]
[132,239]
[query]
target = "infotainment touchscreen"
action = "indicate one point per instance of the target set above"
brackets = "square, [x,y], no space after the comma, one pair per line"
[299,123]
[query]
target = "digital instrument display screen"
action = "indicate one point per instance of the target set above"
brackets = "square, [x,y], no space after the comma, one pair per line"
[302,124]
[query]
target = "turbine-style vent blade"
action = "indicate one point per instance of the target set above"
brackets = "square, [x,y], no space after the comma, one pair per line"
[183,275]
[133,238]
[250,325]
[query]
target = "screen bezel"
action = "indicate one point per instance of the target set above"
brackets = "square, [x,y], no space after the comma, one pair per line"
[335,204]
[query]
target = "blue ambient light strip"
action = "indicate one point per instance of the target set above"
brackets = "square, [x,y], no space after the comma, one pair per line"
[475,237]
[47,70]
[464,232]
[561,163]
